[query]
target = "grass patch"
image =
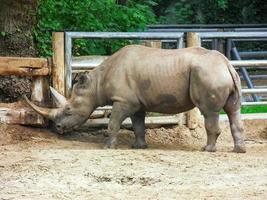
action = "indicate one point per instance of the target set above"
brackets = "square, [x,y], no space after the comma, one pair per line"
[254,109]
[251,109]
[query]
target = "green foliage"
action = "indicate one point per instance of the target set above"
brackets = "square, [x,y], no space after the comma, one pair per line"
[179,12]
[90,15]
[2,34]
[134,15]
[254,109]
[251,109]
[212,11]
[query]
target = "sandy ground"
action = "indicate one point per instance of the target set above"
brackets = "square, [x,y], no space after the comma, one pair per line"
[37,164]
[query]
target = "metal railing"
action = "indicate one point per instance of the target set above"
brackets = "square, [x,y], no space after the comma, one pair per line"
[242,64]
[69,36]
[177,36]
[232,35]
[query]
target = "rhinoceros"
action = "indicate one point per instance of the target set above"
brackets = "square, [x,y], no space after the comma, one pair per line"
[138,79]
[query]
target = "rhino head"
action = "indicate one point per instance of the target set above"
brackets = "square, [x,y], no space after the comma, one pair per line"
[70,113]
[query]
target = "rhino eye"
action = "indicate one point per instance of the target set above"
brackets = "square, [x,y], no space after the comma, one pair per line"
[68,110]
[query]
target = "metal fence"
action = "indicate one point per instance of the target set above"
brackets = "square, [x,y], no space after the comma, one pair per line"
[243,64]
[176,36]
[69,36]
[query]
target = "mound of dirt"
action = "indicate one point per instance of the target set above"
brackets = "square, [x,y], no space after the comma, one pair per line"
[13,134]
[178,137]
[13,87]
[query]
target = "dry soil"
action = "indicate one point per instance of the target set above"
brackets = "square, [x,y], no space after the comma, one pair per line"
[37,164]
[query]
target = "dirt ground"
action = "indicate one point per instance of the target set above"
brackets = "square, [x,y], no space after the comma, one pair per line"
[38,164]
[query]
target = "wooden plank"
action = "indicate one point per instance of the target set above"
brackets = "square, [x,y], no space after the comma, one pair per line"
[21,117]
[18,113]
[193,116]
[40,96]
[150,122]
[23,62]
[152,43]
[97,114]
[24,66]
[40,88]
[58,68]
[21,114]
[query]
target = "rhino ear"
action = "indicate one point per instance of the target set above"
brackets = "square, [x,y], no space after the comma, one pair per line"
[84,79]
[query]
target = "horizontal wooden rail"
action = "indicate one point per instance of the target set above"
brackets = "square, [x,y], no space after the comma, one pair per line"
[24,66]
[150,122]
[19,113]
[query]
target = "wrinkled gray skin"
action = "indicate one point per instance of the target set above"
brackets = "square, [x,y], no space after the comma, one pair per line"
[138,79]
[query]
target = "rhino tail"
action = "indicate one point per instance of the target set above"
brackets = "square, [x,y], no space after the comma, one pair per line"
[237,82]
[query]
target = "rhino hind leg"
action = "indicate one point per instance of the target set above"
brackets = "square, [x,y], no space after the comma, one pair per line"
[138,121]
[213,131]
[232,109]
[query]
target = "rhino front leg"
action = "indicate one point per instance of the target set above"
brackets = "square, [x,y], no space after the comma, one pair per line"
[119,113]
[213,131]
[138,121]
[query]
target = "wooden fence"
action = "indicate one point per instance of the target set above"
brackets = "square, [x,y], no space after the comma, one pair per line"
[39,69]
[52,71]
[44,72]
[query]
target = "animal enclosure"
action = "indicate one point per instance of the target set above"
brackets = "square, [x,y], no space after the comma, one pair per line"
[58,70]
[38,164]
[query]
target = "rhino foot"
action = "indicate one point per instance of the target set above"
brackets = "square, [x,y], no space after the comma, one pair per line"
[105,134]
[139,145]
[209,148]
[111,144]
[239,149]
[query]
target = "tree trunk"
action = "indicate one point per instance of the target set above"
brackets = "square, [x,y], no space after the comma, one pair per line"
[17,18]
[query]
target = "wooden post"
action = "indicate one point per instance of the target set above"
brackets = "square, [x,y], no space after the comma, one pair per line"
[193,116]
[58,69]
[193,40]
[40,88]
[152,43]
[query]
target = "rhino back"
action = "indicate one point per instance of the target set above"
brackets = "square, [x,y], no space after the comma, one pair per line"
[154,79]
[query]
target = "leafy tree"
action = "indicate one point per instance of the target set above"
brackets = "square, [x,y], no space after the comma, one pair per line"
[134,15]
[211,11]
[90,15]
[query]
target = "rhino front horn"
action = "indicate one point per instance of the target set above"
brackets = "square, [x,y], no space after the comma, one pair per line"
[49,113]
[60,100]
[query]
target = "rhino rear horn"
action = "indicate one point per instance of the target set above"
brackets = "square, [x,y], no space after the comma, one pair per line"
[49,113]
[60,100]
